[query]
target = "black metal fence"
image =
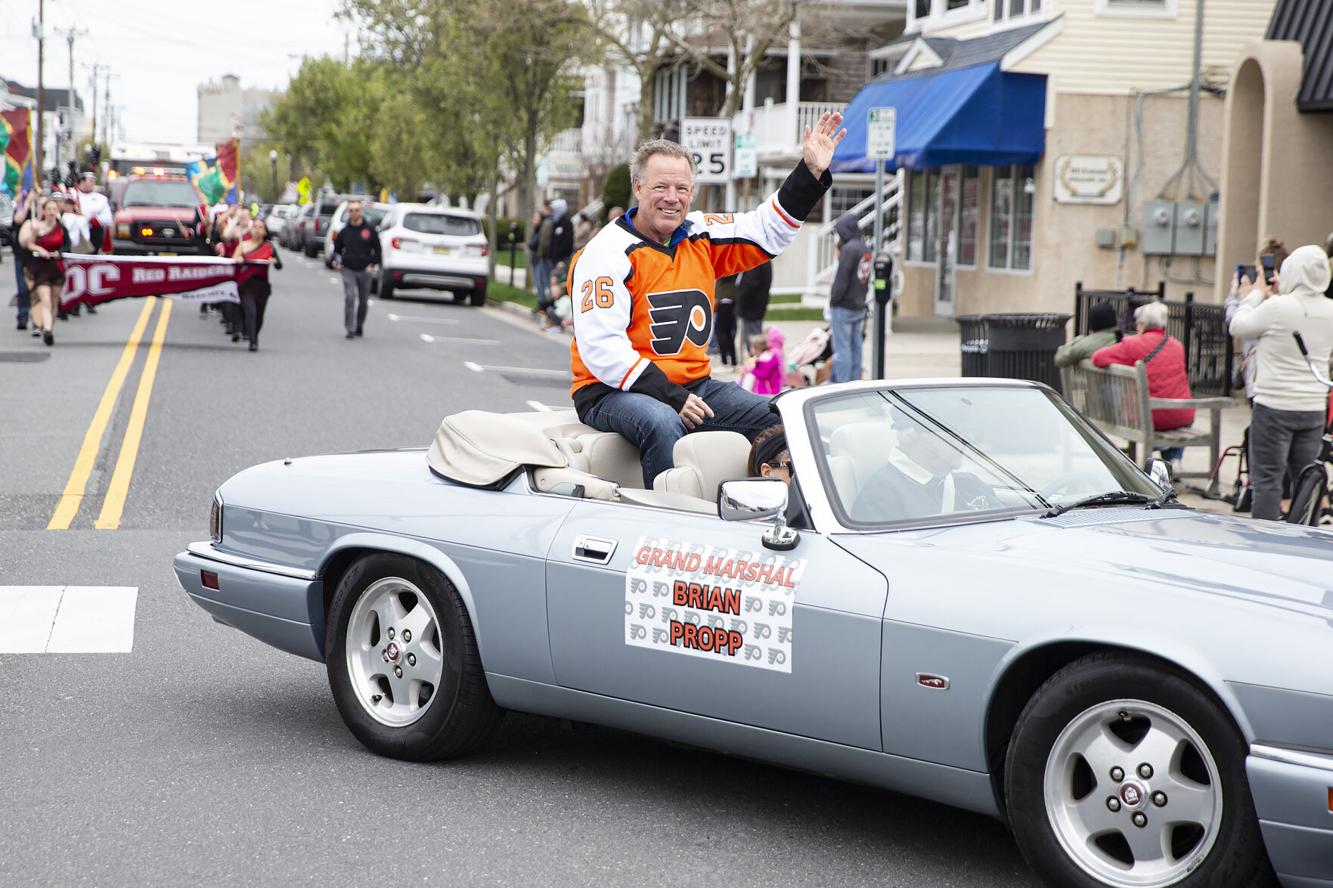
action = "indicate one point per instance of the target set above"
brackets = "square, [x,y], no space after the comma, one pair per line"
[1200,327]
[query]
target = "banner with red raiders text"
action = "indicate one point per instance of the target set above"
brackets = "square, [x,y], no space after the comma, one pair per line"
[93,279]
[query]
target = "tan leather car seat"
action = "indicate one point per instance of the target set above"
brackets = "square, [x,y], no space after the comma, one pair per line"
[703,460]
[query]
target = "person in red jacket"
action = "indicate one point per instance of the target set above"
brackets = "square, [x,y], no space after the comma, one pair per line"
[1167,374]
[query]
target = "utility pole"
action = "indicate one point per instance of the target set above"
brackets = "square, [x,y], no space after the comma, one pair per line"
[73,118]
[41,89]
[97,71]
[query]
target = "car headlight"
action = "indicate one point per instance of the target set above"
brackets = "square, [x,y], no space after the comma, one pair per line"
[215,519]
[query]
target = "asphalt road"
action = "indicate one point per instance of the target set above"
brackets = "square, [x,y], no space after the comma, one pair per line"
[203,757]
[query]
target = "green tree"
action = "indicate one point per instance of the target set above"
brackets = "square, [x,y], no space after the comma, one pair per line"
[616,188]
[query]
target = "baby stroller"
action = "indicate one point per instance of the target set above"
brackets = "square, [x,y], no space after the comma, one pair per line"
[807,364]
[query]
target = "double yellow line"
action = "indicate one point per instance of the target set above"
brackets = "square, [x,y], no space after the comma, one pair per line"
[113,503]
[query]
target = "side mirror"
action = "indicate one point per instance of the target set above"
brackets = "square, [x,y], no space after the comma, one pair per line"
[1160,474]
[759,499]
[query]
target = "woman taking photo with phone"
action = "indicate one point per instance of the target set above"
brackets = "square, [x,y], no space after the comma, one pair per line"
[44,239]
[1289,403]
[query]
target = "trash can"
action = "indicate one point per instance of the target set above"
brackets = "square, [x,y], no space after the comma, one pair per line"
[1012,346]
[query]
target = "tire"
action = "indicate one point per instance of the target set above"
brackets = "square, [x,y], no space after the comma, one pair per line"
[311,253]
[439,707]
[1307,496]
[1106,716]
[386,286]
[479,295]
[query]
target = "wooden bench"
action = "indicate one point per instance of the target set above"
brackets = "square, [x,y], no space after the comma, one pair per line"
[1116,399]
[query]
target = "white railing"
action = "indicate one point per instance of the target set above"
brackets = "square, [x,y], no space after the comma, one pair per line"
[774,132]
[823,261]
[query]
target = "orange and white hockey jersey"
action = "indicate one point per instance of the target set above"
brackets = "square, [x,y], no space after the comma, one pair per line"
[643,312]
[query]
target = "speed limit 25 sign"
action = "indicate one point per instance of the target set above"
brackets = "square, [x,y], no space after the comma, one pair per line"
[708,139]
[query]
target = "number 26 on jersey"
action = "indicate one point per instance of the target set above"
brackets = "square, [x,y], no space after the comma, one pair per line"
[597,292]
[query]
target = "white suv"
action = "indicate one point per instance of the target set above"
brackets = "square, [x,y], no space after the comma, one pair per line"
[435,248]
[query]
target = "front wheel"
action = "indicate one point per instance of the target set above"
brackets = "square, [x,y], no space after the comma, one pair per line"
[1125,774]
[1307,496]
[403,663]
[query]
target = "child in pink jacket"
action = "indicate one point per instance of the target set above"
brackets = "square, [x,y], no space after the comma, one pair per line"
[763,374]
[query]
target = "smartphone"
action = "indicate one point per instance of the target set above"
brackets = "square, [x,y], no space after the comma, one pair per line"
[1245,271]
[1268,267]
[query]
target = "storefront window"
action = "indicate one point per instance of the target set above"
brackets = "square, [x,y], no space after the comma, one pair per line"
[932,234]
[1001,214]
[1012,193]
[969,215]
[916,216]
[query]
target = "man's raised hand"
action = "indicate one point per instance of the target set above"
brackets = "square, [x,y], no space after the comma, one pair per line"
[819,142]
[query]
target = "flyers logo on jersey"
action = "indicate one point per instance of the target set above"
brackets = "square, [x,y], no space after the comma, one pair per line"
[677,316]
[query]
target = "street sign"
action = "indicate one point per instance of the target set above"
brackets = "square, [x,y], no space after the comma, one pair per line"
[303,190]
[708,139]
[746,161]
[880,126]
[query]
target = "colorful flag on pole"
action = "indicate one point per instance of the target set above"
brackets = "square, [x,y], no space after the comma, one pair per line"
[218,177]
[16,148]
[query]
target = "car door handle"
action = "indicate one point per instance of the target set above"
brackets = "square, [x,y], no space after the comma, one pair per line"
[594,550]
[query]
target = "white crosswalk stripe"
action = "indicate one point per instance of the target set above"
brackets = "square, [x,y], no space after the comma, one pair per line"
[67,619]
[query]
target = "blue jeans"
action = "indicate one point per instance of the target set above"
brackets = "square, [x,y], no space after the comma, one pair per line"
[24,299]
[654,426]
[541,277]
[846,327]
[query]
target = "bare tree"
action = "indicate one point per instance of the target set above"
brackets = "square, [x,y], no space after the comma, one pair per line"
[638,34]
[743,30]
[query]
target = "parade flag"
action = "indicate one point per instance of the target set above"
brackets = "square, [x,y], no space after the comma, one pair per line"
[218,177]
[16,148]
[94,279]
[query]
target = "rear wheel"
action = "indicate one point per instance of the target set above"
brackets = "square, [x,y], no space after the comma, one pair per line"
[1124,774]
[311,251]
[479,294]
[1307,496]
[386,285]
[403,663]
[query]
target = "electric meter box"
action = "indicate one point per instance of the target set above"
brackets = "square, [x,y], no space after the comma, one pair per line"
[1159,218]
[1210,227]
[1190,222]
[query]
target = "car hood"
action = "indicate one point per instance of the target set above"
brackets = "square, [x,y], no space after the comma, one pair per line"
[135,214]
[1262,562]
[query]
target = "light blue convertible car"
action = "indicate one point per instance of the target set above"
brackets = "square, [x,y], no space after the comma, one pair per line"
[966,593]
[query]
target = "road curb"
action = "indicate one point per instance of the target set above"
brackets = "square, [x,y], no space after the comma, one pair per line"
[511,307]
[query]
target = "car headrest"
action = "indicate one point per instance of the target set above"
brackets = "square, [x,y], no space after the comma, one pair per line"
[703,460]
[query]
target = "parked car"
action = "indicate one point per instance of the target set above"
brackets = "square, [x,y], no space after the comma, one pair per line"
[278,217]
[6,221]
[433,248]
[967,593]
[373,213]
[293,234]
[317,229]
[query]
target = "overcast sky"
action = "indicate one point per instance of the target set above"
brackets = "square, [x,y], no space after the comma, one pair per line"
[159,52]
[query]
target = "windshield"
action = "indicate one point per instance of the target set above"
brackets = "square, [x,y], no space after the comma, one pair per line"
[441,223]
[160,194]
[919,454]
[372,216]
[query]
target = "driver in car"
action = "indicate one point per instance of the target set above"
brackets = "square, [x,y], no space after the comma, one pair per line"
[921,478]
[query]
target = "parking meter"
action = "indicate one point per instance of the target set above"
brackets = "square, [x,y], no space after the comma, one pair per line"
[513,250]
[883,287]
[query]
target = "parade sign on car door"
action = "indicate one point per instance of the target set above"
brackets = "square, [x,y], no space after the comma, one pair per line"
[731,606]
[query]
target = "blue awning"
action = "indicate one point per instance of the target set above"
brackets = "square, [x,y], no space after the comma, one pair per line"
[977,115]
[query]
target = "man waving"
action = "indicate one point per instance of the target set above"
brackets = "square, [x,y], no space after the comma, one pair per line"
[642,297]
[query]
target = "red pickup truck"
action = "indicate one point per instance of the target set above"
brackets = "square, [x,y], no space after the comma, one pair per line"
[158,214]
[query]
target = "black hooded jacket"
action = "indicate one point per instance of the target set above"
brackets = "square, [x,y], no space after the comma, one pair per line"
[853,274]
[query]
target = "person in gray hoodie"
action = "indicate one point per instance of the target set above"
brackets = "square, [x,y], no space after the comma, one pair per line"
[1289,403]
[847,299]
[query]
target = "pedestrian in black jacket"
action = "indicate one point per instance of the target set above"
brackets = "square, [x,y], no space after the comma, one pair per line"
[562,233]
[356,250]
[847,299]
[752,299]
